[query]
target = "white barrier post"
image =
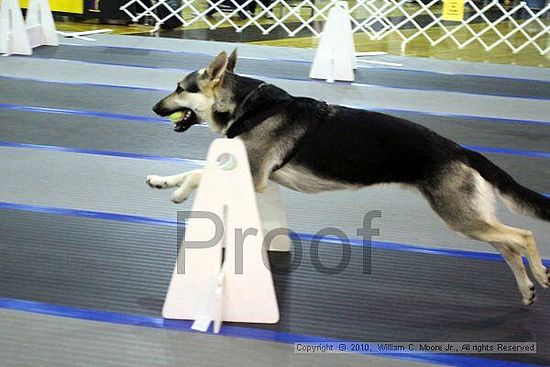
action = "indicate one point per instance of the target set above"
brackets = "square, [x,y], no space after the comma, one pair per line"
[335,56]
[18,37]
[40,24]
[209,284]
[13,33]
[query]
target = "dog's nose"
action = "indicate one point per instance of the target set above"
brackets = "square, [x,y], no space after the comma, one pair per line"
[156,109]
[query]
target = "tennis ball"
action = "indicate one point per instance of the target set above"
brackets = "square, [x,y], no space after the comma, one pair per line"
[176,116]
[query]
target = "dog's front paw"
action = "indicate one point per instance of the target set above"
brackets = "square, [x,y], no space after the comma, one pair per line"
[179,197]
[157,182]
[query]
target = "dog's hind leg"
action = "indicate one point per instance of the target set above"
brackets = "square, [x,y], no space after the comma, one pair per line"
[541,272]
[511,245]
[465,201]
[514,261]
[519,241]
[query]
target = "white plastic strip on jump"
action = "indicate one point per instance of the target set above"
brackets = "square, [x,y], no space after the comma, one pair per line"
[82,35]
[488,23]
[209,284]
[20,37]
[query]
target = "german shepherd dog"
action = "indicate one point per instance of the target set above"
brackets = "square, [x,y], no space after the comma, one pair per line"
[311,146]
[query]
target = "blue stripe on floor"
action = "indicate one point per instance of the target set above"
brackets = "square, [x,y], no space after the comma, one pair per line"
[64,111]
[234,331]
[509,151]
[53,148]
[83,84]
[89,214]
[7,144]
[302,237]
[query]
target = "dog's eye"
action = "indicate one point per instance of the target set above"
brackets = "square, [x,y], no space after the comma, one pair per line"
[179,89]
[193,88]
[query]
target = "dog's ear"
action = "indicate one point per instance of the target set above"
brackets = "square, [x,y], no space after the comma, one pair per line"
[217,67]
[232,60]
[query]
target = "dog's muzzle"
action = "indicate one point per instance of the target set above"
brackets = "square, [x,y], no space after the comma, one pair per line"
[187,119]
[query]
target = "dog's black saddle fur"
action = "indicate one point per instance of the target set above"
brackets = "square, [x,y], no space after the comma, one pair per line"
[268,100]
[262,103]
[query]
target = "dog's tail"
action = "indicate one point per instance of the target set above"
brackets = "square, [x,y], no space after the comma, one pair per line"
[517,198]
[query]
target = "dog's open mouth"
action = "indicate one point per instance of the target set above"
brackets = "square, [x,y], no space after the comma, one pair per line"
[184,119]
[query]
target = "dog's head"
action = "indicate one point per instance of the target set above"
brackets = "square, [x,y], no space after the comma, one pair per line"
[202,96]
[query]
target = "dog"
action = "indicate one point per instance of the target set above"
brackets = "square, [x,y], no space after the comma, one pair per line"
[311,146]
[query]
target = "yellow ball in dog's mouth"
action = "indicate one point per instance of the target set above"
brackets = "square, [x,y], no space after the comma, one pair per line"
[176,116]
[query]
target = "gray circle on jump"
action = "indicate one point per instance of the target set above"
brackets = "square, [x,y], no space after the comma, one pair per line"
[227,161]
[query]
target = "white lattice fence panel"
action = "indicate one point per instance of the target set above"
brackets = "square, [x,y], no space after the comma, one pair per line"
[385,17]
[291,17]
[491,24]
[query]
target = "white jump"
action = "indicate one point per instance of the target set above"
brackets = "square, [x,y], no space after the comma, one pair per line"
[222,272]
[19,37]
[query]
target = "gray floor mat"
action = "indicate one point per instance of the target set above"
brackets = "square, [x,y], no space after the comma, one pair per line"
[116,185]
[438,102]
[109,345]
[254,51]
[473,131]
[124,267]
[299,71]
